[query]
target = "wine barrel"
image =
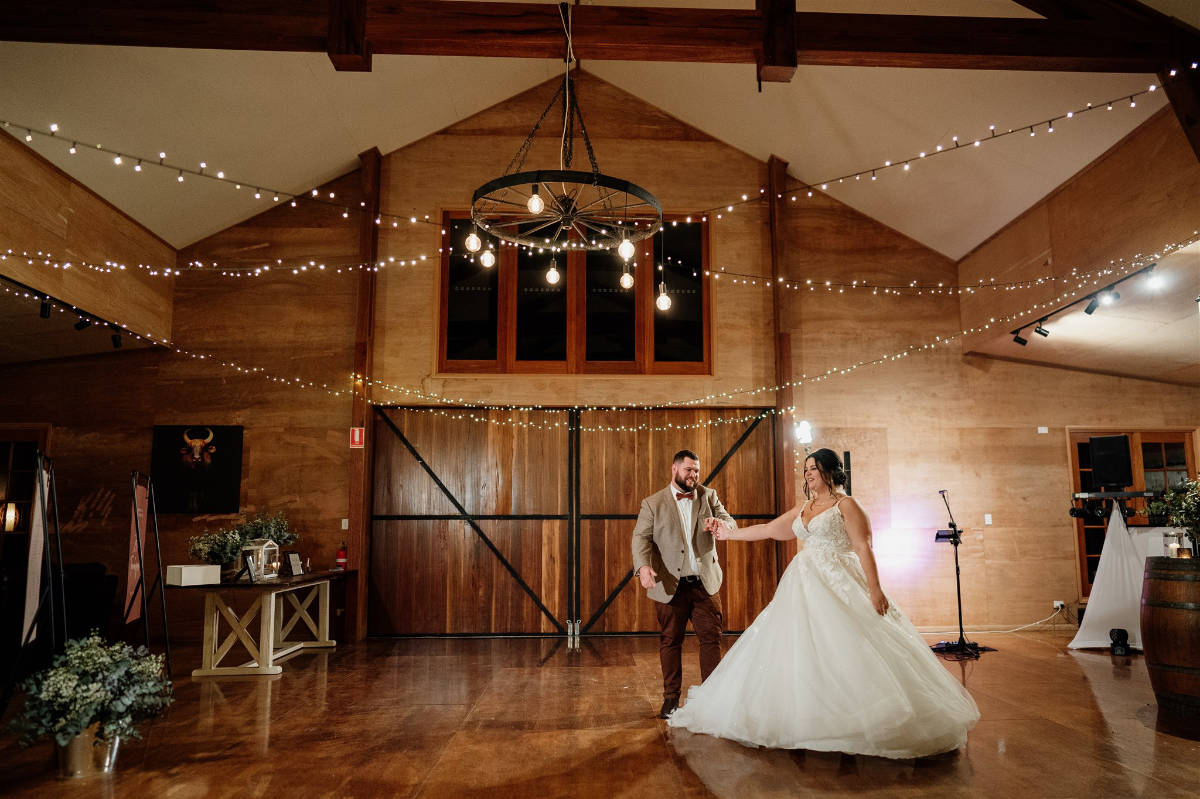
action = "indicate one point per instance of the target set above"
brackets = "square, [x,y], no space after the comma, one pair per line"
[1171,632]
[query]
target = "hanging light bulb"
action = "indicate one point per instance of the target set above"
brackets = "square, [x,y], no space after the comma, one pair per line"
[487,259]
[473,242]
[663,303]
[552,275]
[625,249]
[535,204]
[626,279]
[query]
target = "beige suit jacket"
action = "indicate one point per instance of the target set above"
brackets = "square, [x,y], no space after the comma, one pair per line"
[658,541]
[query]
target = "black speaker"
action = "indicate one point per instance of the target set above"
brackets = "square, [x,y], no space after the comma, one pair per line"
[1110,461]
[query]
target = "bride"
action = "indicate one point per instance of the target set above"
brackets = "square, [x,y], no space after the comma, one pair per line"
[830,664]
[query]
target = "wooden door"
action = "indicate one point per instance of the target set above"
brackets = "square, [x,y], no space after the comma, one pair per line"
[483,527]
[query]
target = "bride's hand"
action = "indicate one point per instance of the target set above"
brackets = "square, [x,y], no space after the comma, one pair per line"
[879,601]
[721,532]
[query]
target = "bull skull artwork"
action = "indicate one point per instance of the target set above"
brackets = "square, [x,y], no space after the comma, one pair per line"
[198,452]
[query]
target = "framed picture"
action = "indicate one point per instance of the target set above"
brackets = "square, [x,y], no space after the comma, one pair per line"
[292,566]
[197,469]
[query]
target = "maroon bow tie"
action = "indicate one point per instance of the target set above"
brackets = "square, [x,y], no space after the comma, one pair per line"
[688,495]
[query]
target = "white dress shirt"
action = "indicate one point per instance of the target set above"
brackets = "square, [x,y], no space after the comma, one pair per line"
[685,517]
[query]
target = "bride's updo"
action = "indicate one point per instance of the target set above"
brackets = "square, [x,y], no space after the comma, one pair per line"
[829,465]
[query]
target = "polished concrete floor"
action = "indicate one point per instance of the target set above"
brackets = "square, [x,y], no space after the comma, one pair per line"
[528,718]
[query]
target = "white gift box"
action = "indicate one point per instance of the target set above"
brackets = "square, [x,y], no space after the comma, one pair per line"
[192,574]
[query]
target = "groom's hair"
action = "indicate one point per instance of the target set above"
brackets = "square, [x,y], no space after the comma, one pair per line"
[685,453]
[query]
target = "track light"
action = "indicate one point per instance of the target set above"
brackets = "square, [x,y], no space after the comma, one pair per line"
[1092,305]
[1041,331]
[1017,338]
[45,310]
[1109,297]
[83,324]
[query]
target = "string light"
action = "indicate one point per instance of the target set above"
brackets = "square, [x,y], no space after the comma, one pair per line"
[112,267]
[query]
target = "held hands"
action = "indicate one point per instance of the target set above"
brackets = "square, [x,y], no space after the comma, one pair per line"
[646,576]
[879,601]
[718,529]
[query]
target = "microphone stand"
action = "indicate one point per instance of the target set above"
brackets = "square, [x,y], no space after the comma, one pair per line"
[962,649]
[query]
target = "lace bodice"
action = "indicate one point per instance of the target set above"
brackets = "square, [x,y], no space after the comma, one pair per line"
[826,532]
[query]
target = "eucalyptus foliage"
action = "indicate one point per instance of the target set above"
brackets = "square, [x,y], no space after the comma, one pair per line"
[224,546]
[93,682]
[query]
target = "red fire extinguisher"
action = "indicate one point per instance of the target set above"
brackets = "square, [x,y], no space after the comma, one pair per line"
[341,558]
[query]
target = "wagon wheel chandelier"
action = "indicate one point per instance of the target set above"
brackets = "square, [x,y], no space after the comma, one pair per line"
[563,209]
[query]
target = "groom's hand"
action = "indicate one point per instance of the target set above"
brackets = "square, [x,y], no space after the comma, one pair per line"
[646,576]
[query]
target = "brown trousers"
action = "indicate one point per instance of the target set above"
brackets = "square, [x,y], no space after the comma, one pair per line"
[691,601]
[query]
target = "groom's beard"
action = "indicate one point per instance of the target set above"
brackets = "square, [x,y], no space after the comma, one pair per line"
[683,486]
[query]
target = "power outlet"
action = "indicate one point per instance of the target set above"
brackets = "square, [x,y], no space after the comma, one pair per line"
[1059,604]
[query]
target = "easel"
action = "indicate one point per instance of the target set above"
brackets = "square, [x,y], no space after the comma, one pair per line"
[139,587]
[55,611]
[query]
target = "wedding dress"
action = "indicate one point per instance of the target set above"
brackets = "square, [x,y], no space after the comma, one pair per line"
[820,669]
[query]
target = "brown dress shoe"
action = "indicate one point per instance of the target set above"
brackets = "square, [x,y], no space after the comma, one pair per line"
[669,705]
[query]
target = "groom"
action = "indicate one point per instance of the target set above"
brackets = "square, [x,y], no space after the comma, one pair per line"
[675,558]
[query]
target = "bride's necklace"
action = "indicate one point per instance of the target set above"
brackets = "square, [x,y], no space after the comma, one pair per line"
[824,503]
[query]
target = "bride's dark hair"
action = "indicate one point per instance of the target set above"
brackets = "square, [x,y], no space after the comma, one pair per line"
[829,466]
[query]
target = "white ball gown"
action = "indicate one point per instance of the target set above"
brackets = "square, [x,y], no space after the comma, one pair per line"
[820,669]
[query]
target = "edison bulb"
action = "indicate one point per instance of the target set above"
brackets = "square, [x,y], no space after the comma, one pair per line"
[625,249]
[552,275]
[536,204]
[626,280]
[487,259]
[473,242]
[663,303]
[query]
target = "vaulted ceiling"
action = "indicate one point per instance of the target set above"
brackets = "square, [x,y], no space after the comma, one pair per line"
[289,121]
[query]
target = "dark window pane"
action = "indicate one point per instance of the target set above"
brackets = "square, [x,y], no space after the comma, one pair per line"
[1092,565]
[1093,538]
[541,307]
[1152,455]
[1085,454]
[1085,482]
[21,485]
[609,309]
[1176,455]
[471,301]
[1176,478]
[1156,480]
[24,455]
[679,331]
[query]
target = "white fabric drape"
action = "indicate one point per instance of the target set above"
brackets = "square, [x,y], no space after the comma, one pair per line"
[1116,595]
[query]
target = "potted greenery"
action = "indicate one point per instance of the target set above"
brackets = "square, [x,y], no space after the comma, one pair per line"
[1179,507]
[91,696]
[224,547]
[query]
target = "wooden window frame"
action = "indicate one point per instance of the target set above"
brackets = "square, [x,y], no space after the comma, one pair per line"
[1136,438]
[576,293]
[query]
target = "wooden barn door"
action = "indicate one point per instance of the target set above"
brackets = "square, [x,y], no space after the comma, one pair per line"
[470,524]
[483,527]
[619,469]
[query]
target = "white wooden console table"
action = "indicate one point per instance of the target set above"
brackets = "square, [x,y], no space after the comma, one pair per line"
[280,604]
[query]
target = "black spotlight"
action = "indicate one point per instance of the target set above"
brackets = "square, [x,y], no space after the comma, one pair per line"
[1077,513]
[1041,331]
[1022,341]
[1120,642]
[1092,305]
[83,324]
[45,312]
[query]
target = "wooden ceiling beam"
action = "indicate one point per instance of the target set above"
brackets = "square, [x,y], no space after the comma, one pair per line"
[530,30]
[347,45]
[777,61]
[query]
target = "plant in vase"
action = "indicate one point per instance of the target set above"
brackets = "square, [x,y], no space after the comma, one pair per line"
[1180,507]
[91,696]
